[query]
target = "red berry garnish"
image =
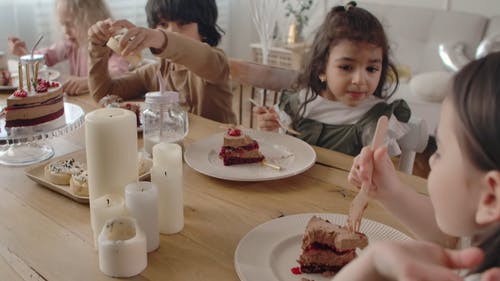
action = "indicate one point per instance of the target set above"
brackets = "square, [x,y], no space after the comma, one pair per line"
[234,132]
[20,93]
[41,88]
[296,270]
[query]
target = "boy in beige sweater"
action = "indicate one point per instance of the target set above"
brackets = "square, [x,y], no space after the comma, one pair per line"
[183,35]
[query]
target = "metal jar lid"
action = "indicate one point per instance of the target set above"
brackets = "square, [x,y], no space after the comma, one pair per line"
[28,59]
[166,97]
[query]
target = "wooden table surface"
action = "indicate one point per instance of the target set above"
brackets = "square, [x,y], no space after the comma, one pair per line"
[46,236]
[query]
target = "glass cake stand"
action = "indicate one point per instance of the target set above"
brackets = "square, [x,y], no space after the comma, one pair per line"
[28,145]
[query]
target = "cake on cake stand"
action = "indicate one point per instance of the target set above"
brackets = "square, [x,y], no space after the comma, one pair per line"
[28,145]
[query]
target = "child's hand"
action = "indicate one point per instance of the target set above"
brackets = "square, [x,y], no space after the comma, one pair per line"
[100,32]
[267,118]
[76,86]
[17,47]
[492,274]
[420,260]
[377,164]
[138,38]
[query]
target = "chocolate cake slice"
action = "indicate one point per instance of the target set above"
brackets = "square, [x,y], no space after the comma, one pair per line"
[239,148]
[327,247]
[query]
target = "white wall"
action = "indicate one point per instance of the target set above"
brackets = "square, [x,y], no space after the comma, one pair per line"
[241,31]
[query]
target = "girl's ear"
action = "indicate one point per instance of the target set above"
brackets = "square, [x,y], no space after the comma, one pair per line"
[489,202]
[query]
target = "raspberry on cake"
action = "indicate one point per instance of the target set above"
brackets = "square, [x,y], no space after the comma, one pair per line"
[239,148]
[37,102]
[327,247]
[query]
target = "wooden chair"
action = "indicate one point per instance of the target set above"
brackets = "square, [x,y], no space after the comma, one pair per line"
[415,141]
[258,81]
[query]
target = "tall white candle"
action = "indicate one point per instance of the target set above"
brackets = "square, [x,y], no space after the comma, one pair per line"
[166,174]
[104,208]
[122,248]
[111,145]
[141,200]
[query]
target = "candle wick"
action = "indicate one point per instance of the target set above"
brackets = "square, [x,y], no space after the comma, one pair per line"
[107,200]
[165,173]
[142,189]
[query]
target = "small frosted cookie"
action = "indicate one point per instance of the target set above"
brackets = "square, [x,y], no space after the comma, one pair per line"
[59,172]
[78,184]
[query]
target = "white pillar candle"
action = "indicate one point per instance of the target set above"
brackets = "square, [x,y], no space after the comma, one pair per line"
[166,174]
[122,248]
[111,145]
[111,150]
[104,208]
[141,200]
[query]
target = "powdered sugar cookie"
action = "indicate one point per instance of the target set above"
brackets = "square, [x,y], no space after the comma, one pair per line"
[78,184]
[59,172]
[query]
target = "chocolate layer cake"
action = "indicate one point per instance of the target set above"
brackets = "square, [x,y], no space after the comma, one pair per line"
[42,104]
[239,148]
[327,247]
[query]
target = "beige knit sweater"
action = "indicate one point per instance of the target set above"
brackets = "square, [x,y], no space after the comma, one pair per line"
[199,72]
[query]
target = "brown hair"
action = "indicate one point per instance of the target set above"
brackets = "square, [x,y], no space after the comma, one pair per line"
[202,12]
[345,23]
[476,100]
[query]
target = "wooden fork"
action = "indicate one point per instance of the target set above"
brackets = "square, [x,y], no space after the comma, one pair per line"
[359,203]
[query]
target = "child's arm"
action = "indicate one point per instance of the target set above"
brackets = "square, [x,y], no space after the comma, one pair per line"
[127,86]
[57,52]
[53,54]
[266,118]
[411,208]
[76,86]
[409,260]
[205,61]
[17,47]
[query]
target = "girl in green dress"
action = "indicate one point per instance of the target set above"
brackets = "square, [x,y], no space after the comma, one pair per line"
[342,89]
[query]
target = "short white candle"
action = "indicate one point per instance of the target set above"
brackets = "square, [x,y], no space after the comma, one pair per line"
[166,174]
[104,208]
[141,200]
[122,248]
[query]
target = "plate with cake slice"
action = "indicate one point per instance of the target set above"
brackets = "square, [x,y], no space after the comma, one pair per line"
[249,155]
[310,246]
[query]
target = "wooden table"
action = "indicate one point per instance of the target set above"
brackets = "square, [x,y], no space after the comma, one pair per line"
[45,236]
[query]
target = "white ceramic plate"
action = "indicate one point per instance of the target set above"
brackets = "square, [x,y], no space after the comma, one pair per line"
[293,155]
[270,250]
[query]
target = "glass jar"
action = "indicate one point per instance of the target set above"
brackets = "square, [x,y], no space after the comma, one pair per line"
[32,67]
[164,120]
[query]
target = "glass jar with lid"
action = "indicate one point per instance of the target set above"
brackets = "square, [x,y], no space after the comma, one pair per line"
[164,119]
[32,66]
